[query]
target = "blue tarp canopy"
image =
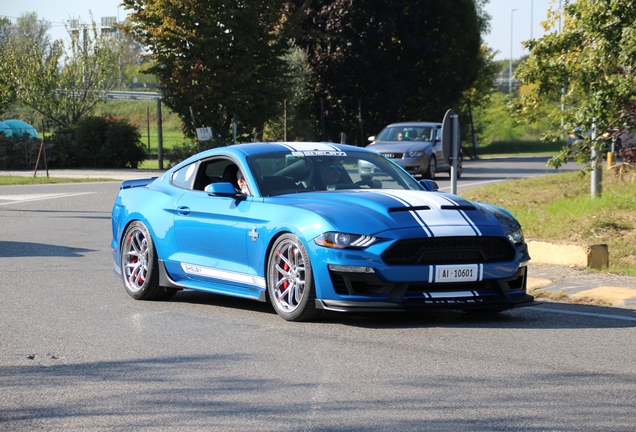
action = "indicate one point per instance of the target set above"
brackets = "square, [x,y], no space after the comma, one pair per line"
[18,127]
[5,129]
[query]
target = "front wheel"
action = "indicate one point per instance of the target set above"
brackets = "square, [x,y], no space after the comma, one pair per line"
[431,171]
[290,281]
[139,266]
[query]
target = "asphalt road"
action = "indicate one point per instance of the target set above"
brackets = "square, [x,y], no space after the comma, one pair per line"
[77,353]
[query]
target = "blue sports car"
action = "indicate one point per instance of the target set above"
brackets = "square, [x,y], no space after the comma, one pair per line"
[295,224]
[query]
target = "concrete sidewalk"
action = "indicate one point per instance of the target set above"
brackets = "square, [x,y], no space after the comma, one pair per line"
[111,174]
[580,283]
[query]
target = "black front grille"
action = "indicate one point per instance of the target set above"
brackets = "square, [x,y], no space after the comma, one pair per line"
[393,155]
[449,250]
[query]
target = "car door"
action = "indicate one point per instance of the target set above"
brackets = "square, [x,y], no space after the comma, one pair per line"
[437,148]
[211,232]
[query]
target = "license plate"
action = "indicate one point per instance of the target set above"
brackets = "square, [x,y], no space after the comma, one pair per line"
[456,273]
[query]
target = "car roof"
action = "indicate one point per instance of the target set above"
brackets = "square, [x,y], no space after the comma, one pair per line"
[406,124]
[241,151]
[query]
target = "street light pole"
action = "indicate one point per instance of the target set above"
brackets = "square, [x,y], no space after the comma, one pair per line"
[510,71]
[531,17]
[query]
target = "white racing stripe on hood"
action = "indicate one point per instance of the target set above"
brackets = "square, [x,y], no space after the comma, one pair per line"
[456,218]
[463,214]
[310,146]
[405,203]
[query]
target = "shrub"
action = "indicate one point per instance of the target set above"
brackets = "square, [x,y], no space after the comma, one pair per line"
[18,152]
[97,142]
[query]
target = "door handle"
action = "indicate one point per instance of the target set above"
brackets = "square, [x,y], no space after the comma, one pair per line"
[184,211]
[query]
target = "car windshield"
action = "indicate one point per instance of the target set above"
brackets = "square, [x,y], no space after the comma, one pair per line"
[284,172]
[407,133]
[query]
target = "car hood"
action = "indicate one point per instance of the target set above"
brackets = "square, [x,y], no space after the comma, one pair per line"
[399,146]
[375,211]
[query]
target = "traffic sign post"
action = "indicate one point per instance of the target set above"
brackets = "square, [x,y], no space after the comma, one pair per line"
[450,144]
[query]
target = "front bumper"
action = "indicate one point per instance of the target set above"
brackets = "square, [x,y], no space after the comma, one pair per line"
[367,292]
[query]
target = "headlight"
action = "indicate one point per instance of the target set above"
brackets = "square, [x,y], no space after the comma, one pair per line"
[516,237]
[414,154]
[338,240]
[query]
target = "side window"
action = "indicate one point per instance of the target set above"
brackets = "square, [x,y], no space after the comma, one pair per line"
[183,178]
[215,170]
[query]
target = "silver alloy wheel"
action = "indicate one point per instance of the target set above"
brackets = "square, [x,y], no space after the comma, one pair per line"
[135,257]
[287,275]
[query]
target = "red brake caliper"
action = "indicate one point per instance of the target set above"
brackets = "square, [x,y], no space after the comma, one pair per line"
[286,268]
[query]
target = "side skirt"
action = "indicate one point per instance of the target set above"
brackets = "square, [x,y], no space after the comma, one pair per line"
[166,281]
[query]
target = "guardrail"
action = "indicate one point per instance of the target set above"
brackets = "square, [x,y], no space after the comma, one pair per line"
[135,96]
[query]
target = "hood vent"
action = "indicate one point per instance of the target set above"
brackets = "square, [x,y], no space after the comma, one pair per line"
[408,209]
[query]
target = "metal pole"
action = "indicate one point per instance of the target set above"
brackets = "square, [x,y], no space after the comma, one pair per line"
[148,125]
[322,118]
[454,153]
[597,173]
[361,124]
[562,88]
[234,129]
[510,71]
[159,136]
[285,121]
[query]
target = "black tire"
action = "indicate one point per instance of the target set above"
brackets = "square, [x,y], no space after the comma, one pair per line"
[460,165]
[431,170]
[167,293]
[139,266]
[290,281]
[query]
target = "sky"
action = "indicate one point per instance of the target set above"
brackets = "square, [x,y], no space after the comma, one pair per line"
[504,35]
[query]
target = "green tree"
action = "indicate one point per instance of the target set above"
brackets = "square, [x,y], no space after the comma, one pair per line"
[590,66]
[390,60]
[14,40]
[61,84]
[7,66]
[219,59]
[297,121]
[89,70]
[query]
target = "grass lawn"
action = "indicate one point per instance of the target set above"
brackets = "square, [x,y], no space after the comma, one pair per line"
[559,208]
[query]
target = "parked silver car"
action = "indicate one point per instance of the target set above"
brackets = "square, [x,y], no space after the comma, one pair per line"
[415,146]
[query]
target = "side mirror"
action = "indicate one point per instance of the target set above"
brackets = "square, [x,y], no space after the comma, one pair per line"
[225,189]
[371,138]
[429,185]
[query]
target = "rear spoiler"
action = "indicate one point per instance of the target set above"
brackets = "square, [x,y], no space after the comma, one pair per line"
[127,184]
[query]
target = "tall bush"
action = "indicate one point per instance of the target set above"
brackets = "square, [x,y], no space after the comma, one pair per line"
[97,142]
[18,152]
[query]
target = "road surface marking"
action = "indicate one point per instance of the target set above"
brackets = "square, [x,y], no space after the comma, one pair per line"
[13,199]
[589,314]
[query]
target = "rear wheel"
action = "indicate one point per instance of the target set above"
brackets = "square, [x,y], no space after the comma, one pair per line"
[431,171]
[290,281]
[139,266]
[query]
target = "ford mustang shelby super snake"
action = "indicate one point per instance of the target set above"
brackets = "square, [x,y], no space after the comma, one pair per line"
[296,225]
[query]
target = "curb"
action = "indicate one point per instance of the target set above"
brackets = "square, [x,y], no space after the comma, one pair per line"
[593,256]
